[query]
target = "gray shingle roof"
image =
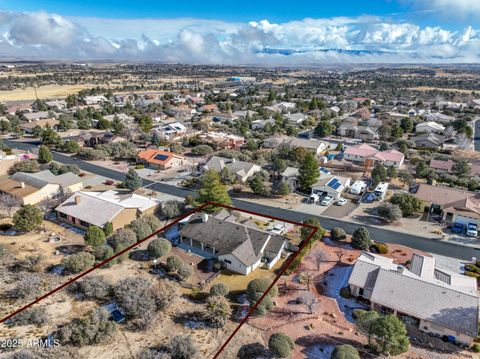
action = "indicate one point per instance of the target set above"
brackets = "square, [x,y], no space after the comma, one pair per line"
[428,301]
[244,242]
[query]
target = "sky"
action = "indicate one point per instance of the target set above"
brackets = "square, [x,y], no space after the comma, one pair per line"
[242,32]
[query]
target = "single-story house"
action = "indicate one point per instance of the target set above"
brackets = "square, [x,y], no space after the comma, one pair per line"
[290,176]
[314,145]
[160,159]
[456,205]
[243,170]
[84,209]
[60,104]
[228,117]
[295,118]
[429,126]
[442,167]
[241,248]
[35,116]
[361,153]
[245,114]
[223,140]
[69,182]
[438,301]
[429,140]
[124,118]
[93,100]
[260,124]
[331,185]
[27,127]
[171,130]
[359,132]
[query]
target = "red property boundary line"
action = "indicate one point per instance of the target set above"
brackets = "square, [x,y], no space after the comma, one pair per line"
[198,209]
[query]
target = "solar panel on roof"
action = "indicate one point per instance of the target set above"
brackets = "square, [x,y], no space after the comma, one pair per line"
[334,183]
[161,157]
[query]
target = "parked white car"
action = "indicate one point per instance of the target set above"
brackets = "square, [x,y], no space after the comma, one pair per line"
[342,201]
[278,229]
[472,230]
[326,201]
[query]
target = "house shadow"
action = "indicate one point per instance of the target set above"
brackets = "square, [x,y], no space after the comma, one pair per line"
[69,249]
[311,340]
[254,351]
[140,255]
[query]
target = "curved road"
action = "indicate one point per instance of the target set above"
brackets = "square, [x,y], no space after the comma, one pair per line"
[380,234]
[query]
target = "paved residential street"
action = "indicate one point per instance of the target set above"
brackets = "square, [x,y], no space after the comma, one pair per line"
[380,234]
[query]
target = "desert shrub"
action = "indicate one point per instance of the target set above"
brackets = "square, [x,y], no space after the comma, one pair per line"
[93,288]
[134,296]
[158,248]
[165,293]
[219,289]
[202,150]
[255,290]
[476,348]
[219,311]
[144,226]
[122,239]
[103,253]
[182,347]
[30,166]
[345,351]
[27,218]
[94,236]
[338,234]
[379,248]
[78,262]
[261,285]
[171,209]
[345,292]
[27,288]
[153,354]
[185,272]
[174,263]
[32,316]
[281,345]
[96,327]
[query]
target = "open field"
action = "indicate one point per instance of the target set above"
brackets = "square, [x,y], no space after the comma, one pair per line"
[44,92]
[429,88]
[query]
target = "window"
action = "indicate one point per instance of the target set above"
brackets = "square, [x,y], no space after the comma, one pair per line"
[227,261]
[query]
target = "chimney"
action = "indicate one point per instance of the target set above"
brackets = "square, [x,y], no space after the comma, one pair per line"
[204,218]
[78,199]
[22,184]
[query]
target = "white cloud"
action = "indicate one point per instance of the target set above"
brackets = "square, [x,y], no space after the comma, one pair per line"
[460,8]
[362,39]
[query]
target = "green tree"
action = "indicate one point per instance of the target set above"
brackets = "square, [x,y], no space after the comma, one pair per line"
[461,167]
[338,234]
[306,231]
[44,154]
[283,188]
[70,146]
[406,124]
[421,169]
[103,123]
[94,237]
[281,345]
[49,136]
[408,203]
[27,218]
[361,239]
[392,172]
[390,212]
[380,171]
[308,172]
[132,180]
[323,129]
[259,183]
[345,351]
[145,123]
[108,229]
[117,125]
[219,289]
[174,263]
[158,248]
[405,176]
[389,335]
[65,122]
[213,190]
[78,262]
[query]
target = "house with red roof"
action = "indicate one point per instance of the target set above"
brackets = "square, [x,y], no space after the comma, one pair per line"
[159,159]
[363,152]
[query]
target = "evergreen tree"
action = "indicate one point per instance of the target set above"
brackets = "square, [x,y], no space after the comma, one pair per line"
[117,125]
[132,180]
[27,218]
[308,172]
[95,237]
[44,154]
[213,190]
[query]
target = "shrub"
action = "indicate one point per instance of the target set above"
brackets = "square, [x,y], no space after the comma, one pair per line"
[122,239]
[471,274]
[35,316]
[281,345]
[134,296]
[219,310]
[476,348]
[165,292]
[345,351]
[94,237]
[408,203]
[472,268]
[185,272]
[361,239]
[144,226]
[108,229]
[171,209]
[93,288]
[261,285]
[27,218]
[27,288]
[30,166]
[379,248]
[78,262]
[219,289]
[103,253]
[345,292]
[174,263]
[182,347]
[202,150]
[94,328]
[158,248]
[338,234]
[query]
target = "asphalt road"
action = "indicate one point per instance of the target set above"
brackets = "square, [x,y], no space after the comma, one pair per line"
[379,234]
[476,135]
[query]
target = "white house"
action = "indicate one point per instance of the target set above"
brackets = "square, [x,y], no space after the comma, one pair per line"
[429,127]
[331,185]
[241,248]
[438,301]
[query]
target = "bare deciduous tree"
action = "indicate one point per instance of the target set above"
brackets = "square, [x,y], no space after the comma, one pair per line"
[319,257]
[9,203]
[463,141]
[309,300]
